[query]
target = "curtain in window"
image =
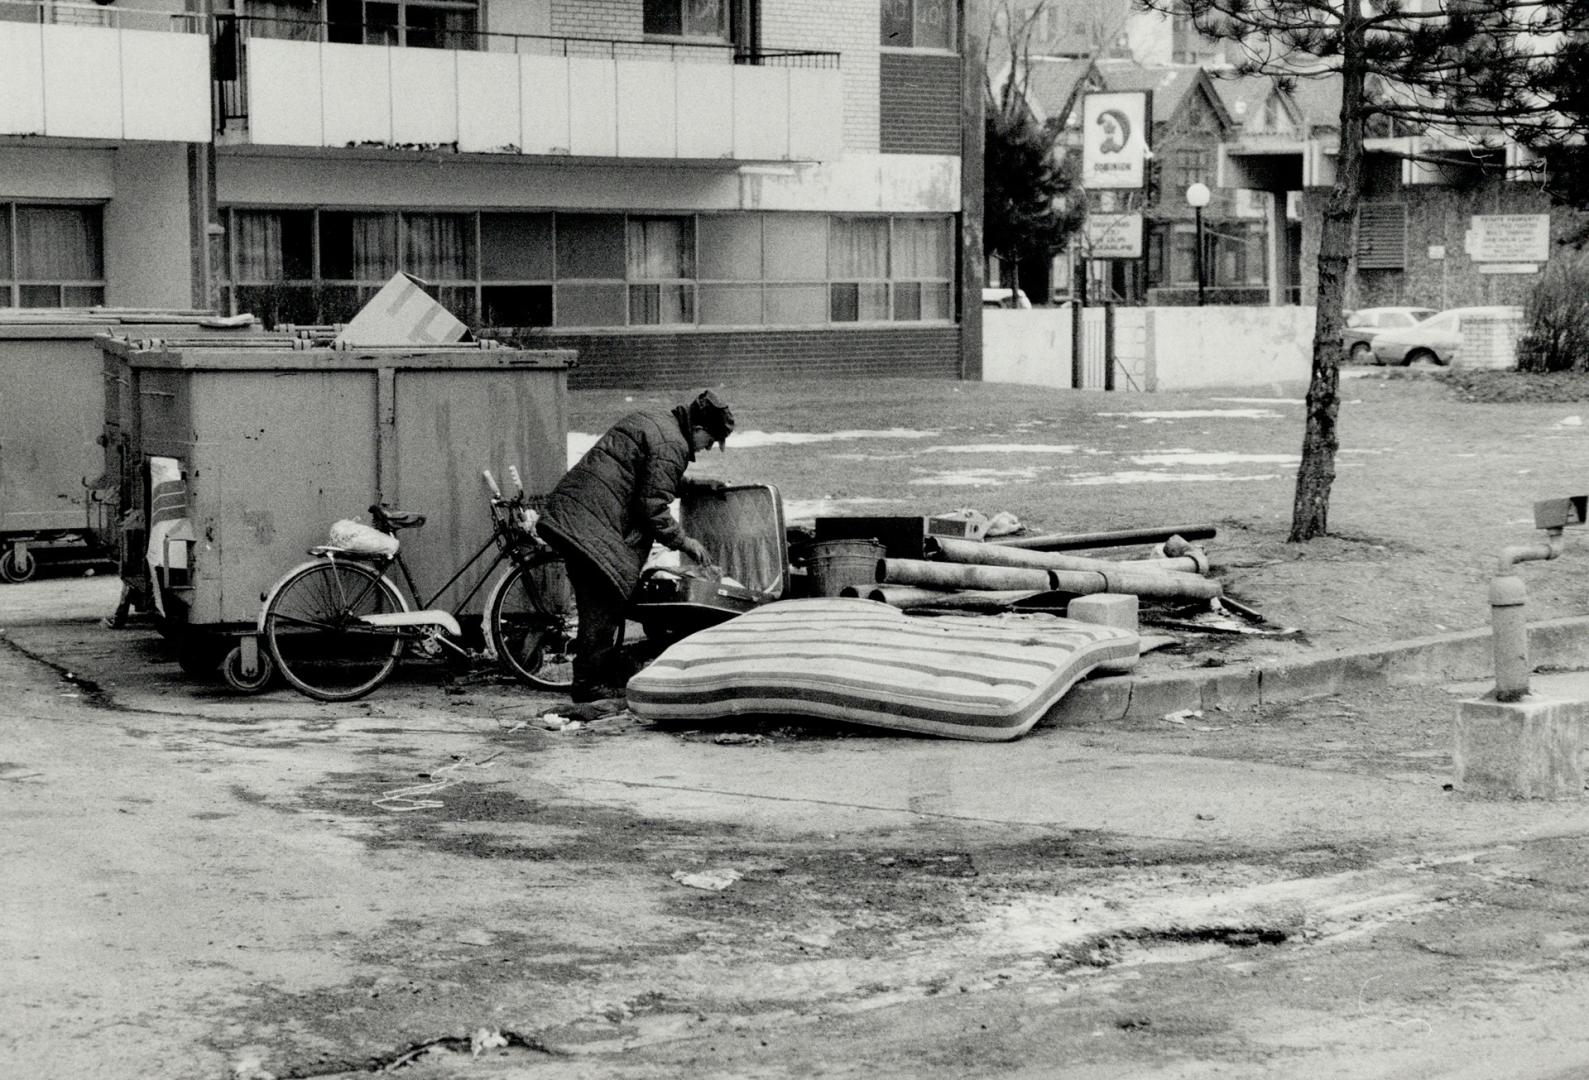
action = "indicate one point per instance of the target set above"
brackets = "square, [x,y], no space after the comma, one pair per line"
[921,248]
[256,239]
[436,246]
[660,248]
[374,246]
[59,243]
[705,18]
[858,248]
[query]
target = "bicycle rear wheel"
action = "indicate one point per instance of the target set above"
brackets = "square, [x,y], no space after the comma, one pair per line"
[533,622]
[313,633]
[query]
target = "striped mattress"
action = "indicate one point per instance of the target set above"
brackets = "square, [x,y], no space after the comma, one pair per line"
[962,677]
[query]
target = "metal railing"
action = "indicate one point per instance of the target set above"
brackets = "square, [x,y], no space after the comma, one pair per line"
[114,17]
[233,32]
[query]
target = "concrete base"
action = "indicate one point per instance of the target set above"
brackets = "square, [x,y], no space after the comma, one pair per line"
[1521,750]
[1108,609]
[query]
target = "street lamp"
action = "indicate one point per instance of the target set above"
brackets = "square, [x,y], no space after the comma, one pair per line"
[1197,197]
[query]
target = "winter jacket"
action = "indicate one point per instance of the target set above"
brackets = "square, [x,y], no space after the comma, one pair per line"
[613,504]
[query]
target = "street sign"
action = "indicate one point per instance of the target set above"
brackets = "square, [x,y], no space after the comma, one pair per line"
[1116,129]
[1114,236]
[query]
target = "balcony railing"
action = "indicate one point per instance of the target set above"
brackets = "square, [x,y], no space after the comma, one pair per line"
[89,71]
[50,13]
[233,32]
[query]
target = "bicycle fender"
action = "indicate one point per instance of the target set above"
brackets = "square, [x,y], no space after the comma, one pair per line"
[264,601]
[430,617]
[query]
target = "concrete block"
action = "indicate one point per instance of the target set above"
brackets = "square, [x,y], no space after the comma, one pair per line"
[1105,609]
[1520,750]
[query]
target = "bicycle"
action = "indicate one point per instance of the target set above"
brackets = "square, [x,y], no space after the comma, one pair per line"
[337,626]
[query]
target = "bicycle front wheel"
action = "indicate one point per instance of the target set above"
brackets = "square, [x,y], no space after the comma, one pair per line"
[533,622]
[313,633]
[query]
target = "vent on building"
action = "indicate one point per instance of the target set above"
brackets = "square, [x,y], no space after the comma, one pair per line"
[1381,236]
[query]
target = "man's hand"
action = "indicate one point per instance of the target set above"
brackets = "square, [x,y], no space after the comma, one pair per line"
[714,487]
[696,550]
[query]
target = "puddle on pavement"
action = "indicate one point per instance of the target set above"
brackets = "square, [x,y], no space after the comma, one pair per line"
[1164,478]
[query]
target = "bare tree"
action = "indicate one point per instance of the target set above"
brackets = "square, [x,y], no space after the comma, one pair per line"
[1465,66]
[1031,204]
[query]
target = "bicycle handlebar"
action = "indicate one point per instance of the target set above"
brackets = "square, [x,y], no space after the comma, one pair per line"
[513,474]
[491,483]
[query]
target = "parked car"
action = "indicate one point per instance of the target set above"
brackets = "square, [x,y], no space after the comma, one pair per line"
[1004,298]
[1435,340]
[1364,324]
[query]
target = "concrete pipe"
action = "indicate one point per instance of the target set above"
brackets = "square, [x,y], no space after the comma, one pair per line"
[1136,583]
[976,552]
[941,575]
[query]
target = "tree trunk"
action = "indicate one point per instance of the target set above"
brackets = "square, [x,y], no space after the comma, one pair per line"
[1310,512]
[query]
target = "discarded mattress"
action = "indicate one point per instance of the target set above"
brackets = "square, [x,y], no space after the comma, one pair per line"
[961,677]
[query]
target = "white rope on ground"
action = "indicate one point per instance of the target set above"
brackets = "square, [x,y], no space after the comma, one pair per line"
[402,800]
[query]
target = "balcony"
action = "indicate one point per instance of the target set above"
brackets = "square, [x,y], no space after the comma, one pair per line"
[294,83]
[82,71]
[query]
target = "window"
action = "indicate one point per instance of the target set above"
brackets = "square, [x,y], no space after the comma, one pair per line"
[1188,166]
[918,24]
[1381,236]
[51,256]
[425,24]
[593,270]
[687,18]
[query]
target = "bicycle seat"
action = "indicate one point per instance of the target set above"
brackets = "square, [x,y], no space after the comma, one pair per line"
[391,520]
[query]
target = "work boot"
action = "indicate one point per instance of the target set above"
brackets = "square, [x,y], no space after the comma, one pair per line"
[582,693]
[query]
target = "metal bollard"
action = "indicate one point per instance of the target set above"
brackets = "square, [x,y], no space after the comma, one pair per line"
[1509,596]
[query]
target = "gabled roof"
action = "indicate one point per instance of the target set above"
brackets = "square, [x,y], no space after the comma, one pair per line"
[1171,84]
[1054,83]
[1247,95]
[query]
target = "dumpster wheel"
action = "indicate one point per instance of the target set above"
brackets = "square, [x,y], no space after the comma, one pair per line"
[17,564]
[232,672]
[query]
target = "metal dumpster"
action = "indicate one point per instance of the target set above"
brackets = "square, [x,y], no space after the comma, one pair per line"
[57,493]
[239,456]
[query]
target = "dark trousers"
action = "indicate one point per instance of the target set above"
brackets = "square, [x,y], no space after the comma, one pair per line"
[601,615]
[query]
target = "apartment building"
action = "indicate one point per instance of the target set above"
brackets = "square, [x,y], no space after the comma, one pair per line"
[681,190]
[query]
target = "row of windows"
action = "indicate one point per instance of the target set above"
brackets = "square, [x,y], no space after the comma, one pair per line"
[51,256]
[453,24]
[546,269]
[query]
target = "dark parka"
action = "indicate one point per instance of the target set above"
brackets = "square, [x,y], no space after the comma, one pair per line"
[614,503]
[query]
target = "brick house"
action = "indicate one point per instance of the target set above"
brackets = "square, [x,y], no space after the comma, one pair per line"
[682,190]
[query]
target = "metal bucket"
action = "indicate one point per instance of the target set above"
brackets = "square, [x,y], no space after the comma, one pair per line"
[833,564]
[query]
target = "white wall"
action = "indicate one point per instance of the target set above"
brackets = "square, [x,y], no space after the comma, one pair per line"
[1030,347]
[1189,348]
[148,258]
[1157,348]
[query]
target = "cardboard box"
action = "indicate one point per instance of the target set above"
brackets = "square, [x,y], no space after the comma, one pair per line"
[402,313]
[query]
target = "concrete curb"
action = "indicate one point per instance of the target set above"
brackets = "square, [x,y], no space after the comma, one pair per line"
[1557,643]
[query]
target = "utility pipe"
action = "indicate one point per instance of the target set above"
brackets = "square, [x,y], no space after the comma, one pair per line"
[956,550]
[1075,582]
[1508,627]
[1118,538]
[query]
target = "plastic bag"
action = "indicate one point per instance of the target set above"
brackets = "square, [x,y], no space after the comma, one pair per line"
[361,539]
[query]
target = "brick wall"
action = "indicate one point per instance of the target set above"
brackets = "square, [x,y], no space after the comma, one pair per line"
[618,19]
[665,360]
[920,104]
[848,27]
[1438,216]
